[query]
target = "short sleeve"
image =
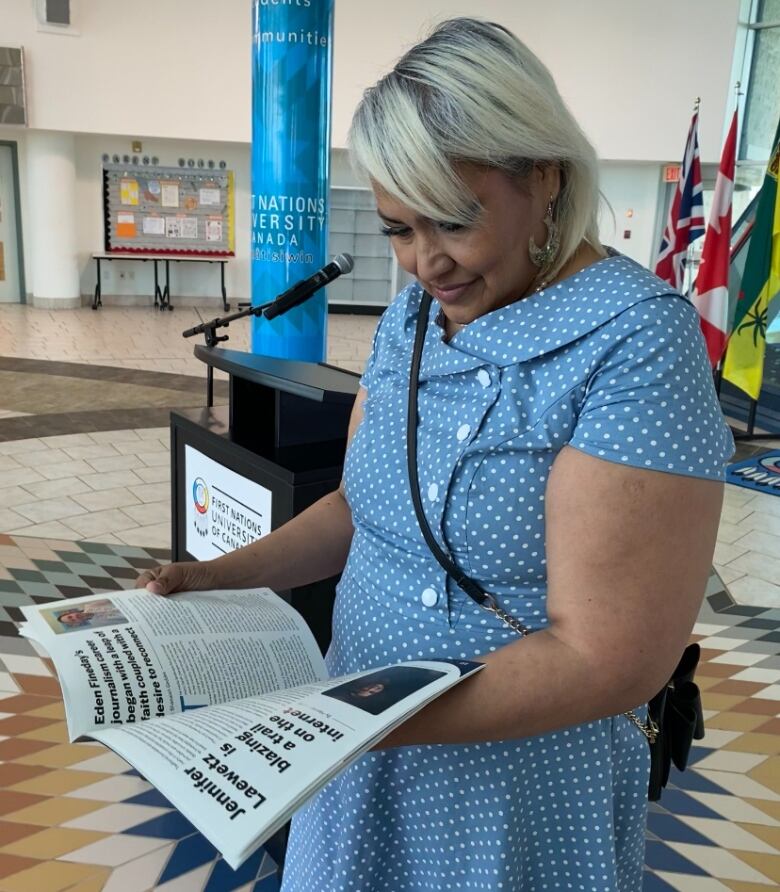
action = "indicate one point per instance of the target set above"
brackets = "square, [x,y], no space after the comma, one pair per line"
[369,370]
[651,401]
[389,336]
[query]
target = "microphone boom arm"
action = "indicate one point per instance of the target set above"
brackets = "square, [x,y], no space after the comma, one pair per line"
[294,296]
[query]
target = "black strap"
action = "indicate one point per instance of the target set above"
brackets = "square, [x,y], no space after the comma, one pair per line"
[472,588]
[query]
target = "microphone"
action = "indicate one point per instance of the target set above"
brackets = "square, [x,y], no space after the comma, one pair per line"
[302,291]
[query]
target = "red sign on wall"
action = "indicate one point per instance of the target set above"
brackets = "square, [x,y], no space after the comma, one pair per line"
[672,173]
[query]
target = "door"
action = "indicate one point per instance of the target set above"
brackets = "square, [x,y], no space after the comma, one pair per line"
[10,278]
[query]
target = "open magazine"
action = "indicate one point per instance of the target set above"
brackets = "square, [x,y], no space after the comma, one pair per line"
[222,701]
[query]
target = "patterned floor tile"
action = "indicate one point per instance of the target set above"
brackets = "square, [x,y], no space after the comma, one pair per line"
[141,873]
[10,833]
[46,876]
[727,835]
[686,883]
[661,857]
[194,879]
[118,817]
[96,882]
[735,809]
[113,789]
[47,811]
[721,863]
[53,842]
[736,886]
[57,783]
[767,865]
[756,743]
[731,761]
[107,762]
[189,854]
[114,850]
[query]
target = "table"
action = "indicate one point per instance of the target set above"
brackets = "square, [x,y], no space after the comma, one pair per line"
[162,295]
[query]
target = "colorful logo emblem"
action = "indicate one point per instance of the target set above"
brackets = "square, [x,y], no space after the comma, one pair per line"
[200,495]
[771,463]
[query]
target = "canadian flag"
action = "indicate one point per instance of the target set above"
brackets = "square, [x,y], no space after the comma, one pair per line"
[711,291]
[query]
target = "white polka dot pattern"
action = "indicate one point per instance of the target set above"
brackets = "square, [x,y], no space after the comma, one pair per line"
[607,361]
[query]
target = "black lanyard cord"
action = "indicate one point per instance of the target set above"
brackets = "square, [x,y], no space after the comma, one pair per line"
[464,582]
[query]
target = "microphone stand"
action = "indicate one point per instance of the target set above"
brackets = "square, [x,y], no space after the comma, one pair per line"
[294,296]
[209,332]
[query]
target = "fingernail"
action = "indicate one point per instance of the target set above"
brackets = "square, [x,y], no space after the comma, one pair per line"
[154,587]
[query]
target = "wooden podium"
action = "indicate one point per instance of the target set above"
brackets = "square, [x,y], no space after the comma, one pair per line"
[245,469]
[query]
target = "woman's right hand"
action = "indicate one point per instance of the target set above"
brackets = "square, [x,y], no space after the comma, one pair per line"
[180,577]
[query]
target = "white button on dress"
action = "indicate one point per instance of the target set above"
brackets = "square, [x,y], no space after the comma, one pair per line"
[463,431]
[483,377]
[429,597]
[433,492]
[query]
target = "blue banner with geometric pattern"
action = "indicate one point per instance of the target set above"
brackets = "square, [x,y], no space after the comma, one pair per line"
[291,110]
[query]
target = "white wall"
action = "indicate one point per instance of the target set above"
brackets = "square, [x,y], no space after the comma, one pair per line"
[165,68]
[181,70]
[629,69]
[633,187]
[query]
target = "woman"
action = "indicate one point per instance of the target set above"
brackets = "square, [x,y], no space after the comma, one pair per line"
[570,453]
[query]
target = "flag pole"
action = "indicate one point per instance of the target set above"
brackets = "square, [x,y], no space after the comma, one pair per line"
[718,372]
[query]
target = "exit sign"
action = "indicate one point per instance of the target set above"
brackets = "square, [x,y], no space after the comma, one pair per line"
[672,173]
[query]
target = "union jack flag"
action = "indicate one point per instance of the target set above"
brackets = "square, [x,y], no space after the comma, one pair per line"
[686,215]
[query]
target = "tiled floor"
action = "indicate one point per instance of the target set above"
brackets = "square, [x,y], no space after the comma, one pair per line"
[142,338]
[84,495]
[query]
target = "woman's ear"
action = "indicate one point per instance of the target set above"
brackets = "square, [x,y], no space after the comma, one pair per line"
[546,180]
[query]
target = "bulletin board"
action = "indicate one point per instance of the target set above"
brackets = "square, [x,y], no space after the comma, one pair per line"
[168,210]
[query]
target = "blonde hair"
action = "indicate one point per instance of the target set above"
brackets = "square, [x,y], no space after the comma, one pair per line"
[472,92]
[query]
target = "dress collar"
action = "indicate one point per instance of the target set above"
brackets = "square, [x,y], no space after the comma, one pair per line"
[540,323]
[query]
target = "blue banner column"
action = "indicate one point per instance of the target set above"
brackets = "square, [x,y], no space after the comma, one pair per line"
[292,64]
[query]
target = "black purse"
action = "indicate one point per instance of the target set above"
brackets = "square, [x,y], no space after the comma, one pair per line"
[677,712]
[674,715]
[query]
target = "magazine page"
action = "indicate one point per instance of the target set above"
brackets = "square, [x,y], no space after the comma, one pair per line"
[238,770]
[125,657]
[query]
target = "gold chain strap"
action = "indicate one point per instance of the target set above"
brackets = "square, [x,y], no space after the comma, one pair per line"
[648,728]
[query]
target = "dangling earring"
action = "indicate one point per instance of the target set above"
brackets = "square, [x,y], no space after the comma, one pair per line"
[542,257]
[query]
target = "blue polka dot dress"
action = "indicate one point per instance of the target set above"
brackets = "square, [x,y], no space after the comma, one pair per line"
[609,362]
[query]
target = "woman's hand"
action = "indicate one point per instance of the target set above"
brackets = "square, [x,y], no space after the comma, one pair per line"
[182,577]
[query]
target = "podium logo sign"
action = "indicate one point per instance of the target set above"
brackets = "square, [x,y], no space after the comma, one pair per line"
[201,500]
[224,510]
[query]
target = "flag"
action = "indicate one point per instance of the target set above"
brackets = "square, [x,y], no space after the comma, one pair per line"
[744,363]
[686,215]
[711,292]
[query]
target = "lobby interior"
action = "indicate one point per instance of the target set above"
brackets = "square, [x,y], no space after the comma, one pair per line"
[85,399]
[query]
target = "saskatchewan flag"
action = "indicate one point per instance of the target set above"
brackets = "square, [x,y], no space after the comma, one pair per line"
[744,364]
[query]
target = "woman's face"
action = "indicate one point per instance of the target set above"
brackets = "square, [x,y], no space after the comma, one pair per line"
[74,618]
[370,689]
[473,270]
